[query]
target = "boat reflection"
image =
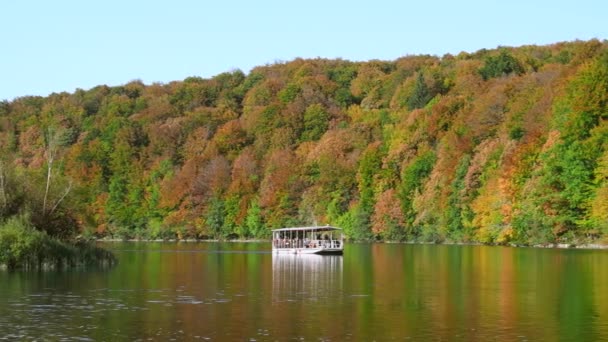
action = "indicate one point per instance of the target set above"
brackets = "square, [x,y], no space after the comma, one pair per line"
[306,276]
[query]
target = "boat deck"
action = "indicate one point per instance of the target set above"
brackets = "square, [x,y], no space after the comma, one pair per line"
[308,240]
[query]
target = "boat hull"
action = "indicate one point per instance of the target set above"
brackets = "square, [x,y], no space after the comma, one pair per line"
[319,251]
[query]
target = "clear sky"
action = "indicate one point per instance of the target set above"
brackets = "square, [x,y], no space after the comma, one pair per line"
[62,45]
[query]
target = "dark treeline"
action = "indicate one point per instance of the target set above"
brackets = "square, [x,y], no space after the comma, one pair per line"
[497,146]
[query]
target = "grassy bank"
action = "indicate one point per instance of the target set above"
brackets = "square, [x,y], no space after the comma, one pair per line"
[24,247]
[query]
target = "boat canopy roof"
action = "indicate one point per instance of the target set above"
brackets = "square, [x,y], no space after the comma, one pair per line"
[312,228]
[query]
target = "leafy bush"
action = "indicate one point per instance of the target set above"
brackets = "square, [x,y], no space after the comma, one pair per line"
[20,243]
[22,246]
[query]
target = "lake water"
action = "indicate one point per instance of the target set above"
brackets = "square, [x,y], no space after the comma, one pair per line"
[241,292]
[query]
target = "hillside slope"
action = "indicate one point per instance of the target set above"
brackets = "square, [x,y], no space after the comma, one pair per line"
[497,146]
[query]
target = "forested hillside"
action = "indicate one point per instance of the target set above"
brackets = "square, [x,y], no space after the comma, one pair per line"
[498,146]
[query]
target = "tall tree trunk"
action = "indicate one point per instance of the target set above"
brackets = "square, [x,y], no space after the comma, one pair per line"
[50,156]
[3,200]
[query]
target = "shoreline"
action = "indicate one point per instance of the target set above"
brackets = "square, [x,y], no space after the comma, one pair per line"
[590,246]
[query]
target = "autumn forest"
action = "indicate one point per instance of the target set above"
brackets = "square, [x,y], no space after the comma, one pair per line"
[500,146]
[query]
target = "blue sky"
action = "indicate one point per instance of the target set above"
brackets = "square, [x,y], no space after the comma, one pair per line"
[55,46]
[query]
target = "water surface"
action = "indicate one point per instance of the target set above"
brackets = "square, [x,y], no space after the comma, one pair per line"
[240,291]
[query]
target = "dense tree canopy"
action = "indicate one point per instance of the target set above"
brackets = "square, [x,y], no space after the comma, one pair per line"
[497,146]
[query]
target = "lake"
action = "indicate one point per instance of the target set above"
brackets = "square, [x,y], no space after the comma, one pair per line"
[240,291]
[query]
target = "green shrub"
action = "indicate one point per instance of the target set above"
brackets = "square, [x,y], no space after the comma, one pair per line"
[24,247]
[19,242]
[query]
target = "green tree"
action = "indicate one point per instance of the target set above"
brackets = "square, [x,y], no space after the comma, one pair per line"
[456,208]
[501,65]
[420,95]
[253,220]
[412,179]
[289,93]
[316,122]
[369,166]
[215,216]
[231,210]
[127,187]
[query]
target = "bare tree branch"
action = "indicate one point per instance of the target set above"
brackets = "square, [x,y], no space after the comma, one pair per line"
[67,191]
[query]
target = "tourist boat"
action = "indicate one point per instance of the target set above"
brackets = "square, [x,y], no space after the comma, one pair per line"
[308,240]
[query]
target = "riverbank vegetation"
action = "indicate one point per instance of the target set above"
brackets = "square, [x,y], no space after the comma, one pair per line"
[22,246]
[37,231]
[498,146]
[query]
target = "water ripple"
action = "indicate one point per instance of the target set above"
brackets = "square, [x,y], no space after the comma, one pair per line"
[53,315]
